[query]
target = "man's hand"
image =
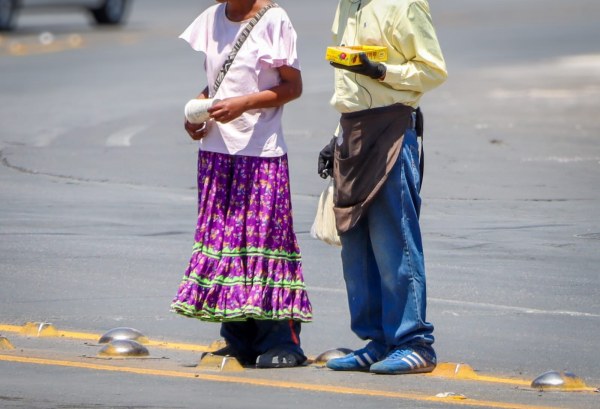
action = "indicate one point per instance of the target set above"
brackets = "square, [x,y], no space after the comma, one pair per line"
[366,67]
[325,162]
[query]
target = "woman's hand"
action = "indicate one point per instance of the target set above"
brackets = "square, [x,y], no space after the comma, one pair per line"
[288,89]
[196,131]
[228,109]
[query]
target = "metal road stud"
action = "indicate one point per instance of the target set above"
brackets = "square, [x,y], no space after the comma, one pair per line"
[123,333]
[330,354]
[124,348]
[559,381]
[39,329]
[220,363]
[5,344]
[46,38]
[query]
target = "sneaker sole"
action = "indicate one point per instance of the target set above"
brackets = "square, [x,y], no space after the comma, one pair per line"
[400,372]
[269,365]
[361,369]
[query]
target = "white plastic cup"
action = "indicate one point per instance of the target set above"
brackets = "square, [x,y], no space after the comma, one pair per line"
[196,110]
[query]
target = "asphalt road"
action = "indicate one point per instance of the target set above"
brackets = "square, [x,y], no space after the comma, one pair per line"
[97,209]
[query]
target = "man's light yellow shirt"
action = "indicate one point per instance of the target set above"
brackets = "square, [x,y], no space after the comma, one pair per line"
[415,62]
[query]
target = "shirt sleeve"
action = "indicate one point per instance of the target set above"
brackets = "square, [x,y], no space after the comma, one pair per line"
[415,37]
[196,33]
[279,39]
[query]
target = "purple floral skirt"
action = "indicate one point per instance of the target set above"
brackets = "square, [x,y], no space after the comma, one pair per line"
[246,260]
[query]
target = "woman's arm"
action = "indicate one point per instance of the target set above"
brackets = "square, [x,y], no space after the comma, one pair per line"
[203,94]
[289,89]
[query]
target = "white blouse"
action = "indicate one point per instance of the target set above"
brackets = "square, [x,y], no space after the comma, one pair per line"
[271,44]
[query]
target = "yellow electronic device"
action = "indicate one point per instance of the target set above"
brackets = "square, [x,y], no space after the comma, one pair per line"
[348,55]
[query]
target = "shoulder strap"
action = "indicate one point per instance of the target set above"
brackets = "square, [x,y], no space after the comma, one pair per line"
[419,124]
[238,44]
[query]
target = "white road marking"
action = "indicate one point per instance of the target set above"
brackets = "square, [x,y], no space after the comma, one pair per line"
[522,310]
[122,138]
[47,137]
[563,159]
[481,305]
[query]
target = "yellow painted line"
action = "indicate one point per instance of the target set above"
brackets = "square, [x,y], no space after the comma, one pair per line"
[273,383]
[29,48]
[507,381]
[181,346]
[61,43]
[10,328]
[464,372]
[87,336]
[445,370]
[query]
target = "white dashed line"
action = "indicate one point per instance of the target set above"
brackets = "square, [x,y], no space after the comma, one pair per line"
[122,138]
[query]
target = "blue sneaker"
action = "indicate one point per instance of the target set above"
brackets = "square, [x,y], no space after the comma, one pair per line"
[407,360]
[359,360]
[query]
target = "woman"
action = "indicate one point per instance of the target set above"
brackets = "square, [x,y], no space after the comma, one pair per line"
[245,271]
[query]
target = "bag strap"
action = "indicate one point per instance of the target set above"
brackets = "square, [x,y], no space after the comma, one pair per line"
[238,44]
[419,125]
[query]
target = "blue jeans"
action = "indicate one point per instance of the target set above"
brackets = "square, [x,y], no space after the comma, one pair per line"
[383,261]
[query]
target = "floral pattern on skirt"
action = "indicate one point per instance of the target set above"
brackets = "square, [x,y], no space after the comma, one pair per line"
[246,260]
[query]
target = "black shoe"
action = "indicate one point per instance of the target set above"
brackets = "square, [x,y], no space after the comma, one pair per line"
[280,358]
[227,350]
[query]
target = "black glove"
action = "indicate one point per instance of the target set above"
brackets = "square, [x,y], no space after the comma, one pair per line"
[366,67]
[325,163]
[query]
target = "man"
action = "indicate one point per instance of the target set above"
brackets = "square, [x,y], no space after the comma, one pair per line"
[374,160]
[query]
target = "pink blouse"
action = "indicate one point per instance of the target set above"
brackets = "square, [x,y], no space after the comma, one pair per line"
[271,44]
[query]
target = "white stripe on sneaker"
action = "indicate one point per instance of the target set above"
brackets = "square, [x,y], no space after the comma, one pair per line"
[408,362]
[364,357]
[415,360]
[420,359]
[368,357]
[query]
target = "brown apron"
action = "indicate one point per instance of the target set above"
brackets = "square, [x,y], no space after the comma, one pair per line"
[371,144]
